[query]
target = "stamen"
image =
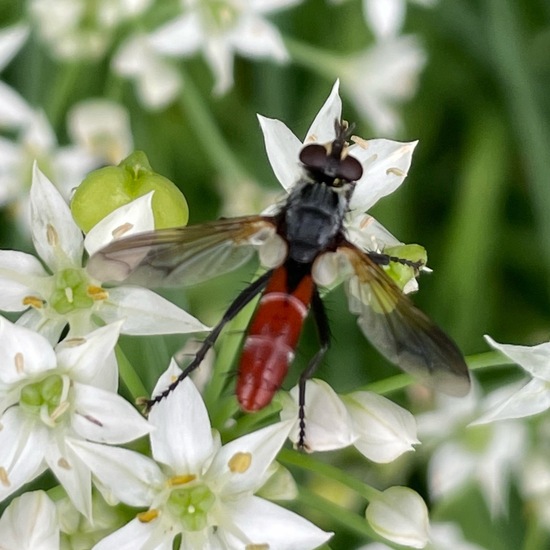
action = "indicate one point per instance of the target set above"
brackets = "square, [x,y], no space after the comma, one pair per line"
[4,479]
[240,462]
[263,546]
[97,293]
[51,235]
[69,294]
[363,143]
[19,362]
[121,230]
[395,172]
[181,480]
[64,463]
[74,342]
[59,410]
[33,301]
[150,515]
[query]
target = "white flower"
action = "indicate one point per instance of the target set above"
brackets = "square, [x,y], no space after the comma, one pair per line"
[378,428]
[30,523]
[385,164]
[399,514]
[386,17]
[14,111]
[467,454]
[69,295]
[79,29]
[533,397]
[52,398]
[220,30]
[380,78]
[101,127]
[204,491]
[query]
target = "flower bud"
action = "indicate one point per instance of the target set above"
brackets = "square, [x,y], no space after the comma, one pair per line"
[111,187]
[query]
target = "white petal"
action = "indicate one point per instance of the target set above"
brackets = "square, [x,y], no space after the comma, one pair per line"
[368,234]
[534,359]
[400,515]
[272,526]
[385,430]
[261,446]
[256,37]
[283,149]
[322,128]
[183,436]
[22,445]
[450,468]
[11,40]
[385,17]
[135,534]
[105,417]
[30,523]
[328,424]
[385,166]
[159,86]
[134,217]
[72,473]
[131,477]
[266,6]
[83,357]
[14,110]
[56,237]
[180,37]
[145,312]
[23,353]
[531,399]
[39,321]
[219,55]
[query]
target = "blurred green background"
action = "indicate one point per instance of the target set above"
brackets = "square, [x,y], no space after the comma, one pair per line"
[477,196]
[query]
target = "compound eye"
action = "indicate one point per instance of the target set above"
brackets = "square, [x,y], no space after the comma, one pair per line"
[350,169]
[314,157]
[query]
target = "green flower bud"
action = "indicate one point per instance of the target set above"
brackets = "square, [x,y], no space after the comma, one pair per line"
[111,187]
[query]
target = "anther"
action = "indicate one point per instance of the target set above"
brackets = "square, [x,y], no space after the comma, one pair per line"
[181,480]
[33,301]
[51,235]
[4,479]
[240,462]
[121,230]
[395,172]
[19,362]
[150,515]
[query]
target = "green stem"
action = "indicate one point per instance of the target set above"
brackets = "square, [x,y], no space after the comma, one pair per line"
[65,82]
[208,133]
[353,522]
[319,61]
[129,376]
[510,57]
[306,462]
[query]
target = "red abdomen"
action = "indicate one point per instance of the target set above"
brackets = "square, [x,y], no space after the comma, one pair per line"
[272,338]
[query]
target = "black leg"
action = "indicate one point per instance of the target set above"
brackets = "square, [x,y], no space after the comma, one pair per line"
[323,329]
[385,259]
[237,305]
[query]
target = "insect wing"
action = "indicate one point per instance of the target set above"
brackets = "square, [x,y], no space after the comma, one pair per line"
[400,331]
[181,256]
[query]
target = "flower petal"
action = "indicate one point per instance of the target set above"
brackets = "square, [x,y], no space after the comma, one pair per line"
[258,449]
[11,40]
[105,417]
[322,128]
[385,166]
[56,237]
[14,110]
[85,356]
[22,445]
[179,37]
[136,534]
[328,424]
[267,525]
[134,217]
[283,149]
[183,436]
[385,430]
[30,522]
[256,37]
[399,514]
[131,477]
[23,353]
[534,359]
[531,399]
[145,312]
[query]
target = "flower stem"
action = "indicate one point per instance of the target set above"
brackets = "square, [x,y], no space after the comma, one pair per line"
[129,376]
[306,462]
[323,63]
[66,79]
[208,133]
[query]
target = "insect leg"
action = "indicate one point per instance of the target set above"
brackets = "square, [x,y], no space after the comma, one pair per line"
[323,329]
[236,306]
[386,259]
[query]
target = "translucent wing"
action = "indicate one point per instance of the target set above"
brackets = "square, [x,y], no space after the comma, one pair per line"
[399,330]
[181,256]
